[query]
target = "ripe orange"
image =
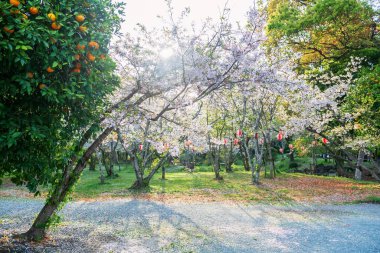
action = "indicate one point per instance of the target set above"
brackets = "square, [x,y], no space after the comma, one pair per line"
[41,86]
[77,57]
[102,56]
[81,47]
[80,18]
[50,70]
[33,10]
[6,29]
[29,74]
[76,70]
[90,57]
[55,26]
[15,3]
[83,28]
[52,17]
[93,44]
[78,65]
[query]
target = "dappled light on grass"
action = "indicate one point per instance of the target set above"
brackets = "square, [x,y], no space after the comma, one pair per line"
[201,186]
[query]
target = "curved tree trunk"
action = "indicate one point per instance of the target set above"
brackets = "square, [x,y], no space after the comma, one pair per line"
[70,176]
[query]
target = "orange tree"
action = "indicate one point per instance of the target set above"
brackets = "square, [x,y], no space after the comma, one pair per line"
[55,76]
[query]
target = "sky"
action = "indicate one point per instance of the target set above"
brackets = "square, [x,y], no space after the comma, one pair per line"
[146,11]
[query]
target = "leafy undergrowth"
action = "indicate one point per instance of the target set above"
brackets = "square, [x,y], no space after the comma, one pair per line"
[201,186]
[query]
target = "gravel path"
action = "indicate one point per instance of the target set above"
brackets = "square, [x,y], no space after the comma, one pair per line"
[147,226]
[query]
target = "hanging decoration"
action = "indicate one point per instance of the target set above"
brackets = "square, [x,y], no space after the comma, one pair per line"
[236,141]
[281,150]
[279,136]
[239,133]
[291,146]
[325,141]
[256,136]
[141,147]
[225,141]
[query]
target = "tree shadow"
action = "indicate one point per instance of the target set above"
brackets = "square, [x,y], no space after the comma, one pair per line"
[148,226]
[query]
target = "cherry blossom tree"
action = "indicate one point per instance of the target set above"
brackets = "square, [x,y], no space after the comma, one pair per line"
[204,60]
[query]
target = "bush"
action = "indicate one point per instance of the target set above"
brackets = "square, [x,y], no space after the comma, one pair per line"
[293,165]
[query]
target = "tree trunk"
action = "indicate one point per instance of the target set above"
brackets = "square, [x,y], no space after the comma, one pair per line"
[229,158]
[358,169]
[256,177]
[38,229]
[272,172]
[259,161]
[228,166]
[139,177]
[339,163]
[245,163]
[216,163]
[145,181]
[163,173]
[244,151]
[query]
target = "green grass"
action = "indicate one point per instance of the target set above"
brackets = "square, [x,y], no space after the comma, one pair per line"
[177,181]
[282,163]
[369,199]
[198,184]
[201,185]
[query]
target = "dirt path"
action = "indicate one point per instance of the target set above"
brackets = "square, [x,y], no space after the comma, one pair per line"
[146,226]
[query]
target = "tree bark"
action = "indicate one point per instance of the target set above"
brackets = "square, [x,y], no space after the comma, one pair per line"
[70,176]
[358,169]
[139,177]
[216,163]
[163,176]
[229,159]
[144,182]
[272,170]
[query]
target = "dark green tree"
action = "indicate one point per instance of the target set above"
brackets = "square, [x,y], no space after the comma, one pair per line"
[55,76]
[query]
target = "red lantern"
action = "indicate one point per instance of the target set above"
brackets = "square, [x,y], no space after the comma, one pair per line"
[225,141]
[256,136]
[239,133]
[279,136]
[281,150]
[236,141]
[325,141]
[261,141]
[291,146]
[141,147]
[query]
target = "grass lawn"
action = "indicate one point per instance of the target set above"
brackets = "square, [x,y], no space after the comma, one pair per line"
[201,186]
